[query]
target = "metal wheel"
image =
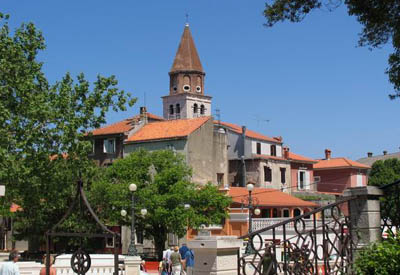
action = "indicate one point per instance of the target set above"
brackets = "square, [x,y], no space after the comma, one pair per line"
[80,262]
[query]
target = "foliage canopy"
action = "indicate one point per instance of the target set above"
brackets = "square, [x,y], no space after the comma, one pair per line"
[163,188]
[40,123]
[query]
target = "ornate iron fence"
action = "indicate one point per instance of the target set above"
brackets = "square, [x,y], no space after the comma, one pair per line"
[390,208]
[294,247]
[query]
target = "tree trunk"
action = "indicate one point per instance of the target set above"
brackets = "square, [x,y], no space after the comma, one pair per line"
[159,242]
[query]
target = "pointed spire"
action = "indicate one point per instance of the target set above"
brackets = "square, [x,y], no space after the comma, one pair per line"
[186,58]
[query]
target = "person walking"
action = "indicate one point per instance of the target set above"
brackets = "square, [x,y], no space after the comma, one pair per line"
[53,271]
[189,262]
[11,267]
[176,261]
[183,250]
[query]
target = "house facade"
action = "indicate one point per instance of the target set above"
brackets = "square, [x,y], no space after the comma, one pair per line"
[337,174]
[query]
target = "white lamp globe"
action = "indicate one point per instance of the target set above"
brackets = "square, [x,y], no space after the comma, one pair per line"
[257,211]
[132,187]
[143,212]
[187,206]
[123,213]
[250,187]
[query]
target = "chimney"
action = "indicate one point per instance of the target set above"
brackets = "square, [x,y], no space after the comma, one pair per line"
[385,153]
[143,114]
[327,154]
[286,152]
[369,154]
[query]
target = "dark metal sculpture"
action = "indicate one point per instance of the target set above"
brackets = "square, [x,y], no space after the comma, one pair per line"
[80,260]
[315,241]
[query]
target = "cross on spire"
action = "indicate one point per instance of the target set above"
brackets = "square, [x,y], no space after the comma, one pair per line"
[187,19]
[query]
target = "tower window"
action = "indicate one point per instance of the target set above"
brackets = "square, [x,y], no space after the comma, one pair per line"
[186,88]
[198,89]
[178,108]
[202,109]
[195,108]
[171,109]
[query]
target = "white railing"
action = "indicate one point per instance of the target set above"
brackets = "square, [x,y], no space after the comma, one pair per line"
[101,265]
[263,223]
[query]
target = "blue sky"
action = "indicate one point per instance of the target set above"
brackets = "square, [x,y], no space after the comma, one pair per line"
[310,80]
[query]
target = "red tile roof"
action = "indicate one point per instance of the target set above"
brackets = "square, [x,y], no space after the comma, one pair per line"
[339,163]
[168,129]
[268,197]
[249,133]
[122,126]
[15,207]
[299,158]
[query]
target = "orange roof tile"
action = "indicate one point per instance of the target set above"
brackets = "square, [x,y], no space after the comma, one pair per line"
[249,133]
[339,163]
[299,158]
[168,129]
[15,207]
[268,197]
[122,126]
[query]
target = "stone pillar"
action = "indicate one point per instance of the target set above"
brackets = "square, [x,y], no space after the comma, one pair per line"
[132,265]
[365,214]
[215,255]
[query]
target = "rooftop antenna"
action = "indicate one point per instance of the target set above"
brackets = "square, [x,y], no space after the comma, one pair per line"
[187,20]
[260,119]
[218,115]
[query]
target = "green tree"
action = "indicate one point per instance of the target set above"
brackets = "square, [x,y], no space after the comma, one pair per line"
[164,187]
[384,172]
[40,121]
[380,20]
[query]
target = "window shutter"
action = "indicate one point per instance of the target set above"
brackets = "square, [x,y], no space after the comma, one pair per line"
[298,180]
[307,185]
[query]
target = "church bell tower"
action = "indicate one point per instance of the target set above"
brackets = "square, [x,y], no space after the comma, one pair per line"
[186,97]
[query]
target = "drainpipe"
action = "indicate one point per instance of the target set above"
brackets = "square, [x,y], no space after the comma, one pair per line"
[243,157]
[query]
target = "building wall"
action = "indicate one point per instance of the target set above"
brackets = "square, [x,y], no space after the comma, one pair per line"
[255,173]
[103,159]
[178,145]
[235,142]
[186,102]
[336,180]
[220,156]
[266,147]
[201,156]
[294,170]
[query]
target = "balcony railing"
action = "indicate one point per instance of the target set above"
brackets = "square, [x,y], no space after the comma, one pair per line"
[263,223]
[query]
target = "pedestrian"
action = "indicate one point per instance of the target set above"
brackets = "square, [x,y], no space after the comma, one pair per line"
[167,256]
[189,262]
[163,267]
[53,271]
[11,267]
[176,261]
[183,250]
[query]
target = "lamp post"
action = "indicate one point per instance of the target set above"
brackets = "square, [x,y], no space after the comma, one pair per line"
[250,206]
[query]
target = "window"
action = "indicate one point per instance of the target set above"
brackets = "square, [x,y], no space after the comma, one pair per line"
[273,150]
[300,184]
[266,213]
[283,175]
[171,109]
[303,180]
[202,109]
[220,179]
[286,213]
[195,108]
[109,146]
[258,148]
[296,212]
[267,174]
[359,180]
[178,110]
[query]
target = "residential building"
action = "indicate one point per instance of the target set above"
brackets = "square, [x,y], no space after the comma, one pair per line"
[337,174]
[370,159]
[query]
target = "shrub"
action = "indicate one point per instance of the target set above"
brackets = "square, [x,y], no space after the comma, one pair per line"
[379,258]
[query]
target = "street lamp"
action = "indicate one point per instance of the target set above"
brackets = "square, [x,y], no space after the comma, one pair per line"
[249,249]
[132,247]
